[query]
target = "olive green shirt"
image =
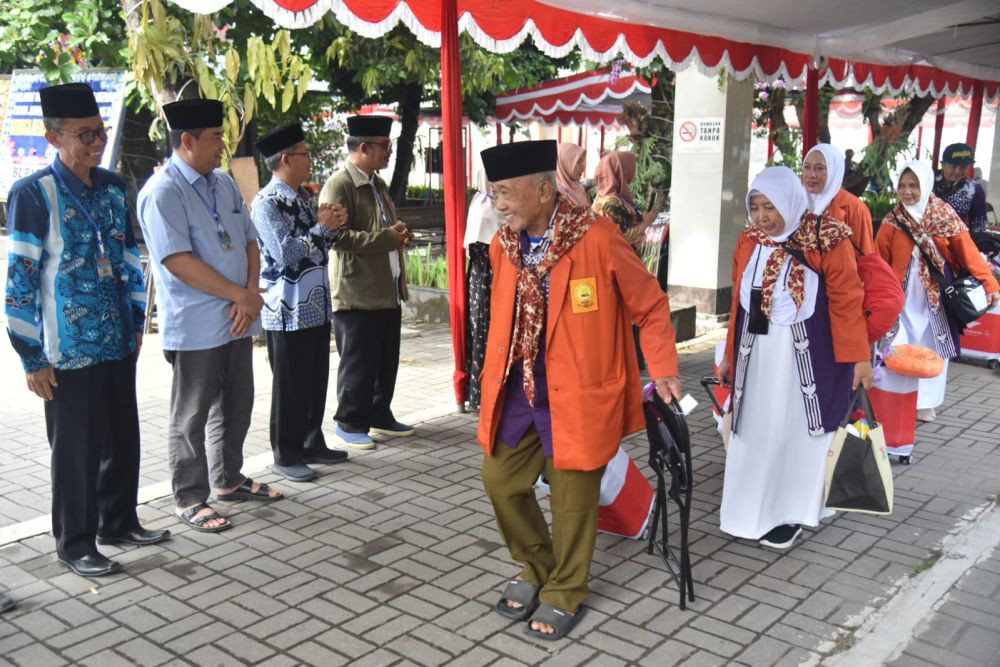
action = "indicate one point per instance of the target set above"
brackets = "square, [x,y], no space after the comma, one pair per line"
[360,271]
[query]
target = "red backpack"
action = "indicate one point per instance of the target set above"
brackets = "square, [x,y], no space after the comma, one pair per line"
[884,297]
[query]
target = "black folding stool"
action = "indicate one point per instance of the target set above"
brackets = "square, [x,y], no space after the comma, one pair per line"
[670,454]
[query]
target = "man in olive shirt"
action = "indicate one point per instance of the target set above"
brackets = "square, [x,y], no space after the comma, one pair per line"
[367,286]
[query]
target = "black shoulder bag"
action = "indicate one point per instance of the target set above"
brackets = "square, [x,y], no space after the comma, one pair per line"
[964,297]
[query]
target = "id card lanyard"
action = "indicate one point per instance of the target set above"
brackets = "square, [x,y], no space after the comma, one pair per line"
[213,209]
[104,269]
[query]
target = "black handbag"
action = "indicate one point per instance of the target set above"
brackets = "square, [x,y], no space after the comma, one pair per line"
[964,297]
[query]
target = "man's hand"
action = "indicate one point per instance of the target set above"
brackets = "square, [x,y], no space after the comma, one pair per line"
[863,374]
[41,382]
[669,388]
[994,299]
[404,235]
[245,310]
[332,216]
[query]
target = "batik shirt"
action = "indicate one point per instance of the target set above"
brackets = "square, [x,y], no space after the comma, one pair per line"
[60,313]
[294,252]
[968,200]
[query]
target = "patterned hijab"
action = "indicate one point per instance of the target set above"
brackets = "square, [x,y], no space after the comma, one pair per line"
[819,202]
[571,223]
[784,190]
[615,172]
[568,155]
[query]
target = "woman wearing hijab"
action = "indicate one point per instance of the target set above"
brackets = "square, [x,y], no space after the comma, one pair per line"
[481,223]
[615,172]
[797,346]
[569,171]
[822,175]
[943,240]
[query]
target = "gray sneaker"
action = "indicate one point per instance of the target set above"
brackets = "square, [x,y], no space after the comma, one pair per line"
[296,473]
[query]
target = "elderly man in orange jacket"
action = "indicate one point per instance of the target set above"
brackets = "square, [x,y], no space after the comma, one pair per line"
[561,384]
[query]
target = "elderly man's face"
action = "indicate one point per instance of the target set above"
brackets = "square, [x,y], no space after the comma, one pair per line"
[81,141]
[524,201]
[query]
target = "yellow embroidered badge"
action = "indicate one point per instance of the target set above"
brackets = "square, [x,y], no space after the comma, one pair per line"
[583,293]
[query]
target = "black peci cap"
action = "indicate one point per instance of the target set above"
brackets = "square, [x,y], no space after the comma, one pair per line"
[281,139]
[193,114]
[369,126]
[69,100]
[520,158]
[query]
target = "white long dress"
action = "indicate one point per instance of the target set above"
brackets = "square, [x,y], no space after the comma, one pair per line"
[915,327]
[774,468]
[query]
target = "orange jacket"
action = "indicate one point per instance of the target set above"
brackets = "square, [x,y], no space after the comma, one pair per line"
[595,392]
[844,291]
[851,210]
[959,251]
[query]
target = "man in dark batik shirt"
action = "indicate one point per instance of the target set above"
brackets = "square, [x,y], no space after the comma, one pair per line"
[295,244]
[967,197]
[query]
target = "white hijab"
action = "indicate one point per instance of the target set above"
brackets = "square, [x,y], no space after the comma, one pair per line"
[819,202]
[785,191]
[924,172]
[482,220]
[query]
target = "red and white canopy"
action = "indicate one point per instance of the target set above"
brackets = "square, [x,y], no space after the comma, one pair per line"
[927,46]
[591,98]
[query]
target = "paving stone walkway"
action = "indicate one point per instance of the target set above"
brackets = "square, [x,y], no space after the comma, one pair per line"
[394,558]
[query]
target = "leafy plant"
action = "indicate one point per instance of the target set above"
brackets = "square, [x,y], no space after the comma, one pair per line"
[879,203]
[168,53]
[423,269]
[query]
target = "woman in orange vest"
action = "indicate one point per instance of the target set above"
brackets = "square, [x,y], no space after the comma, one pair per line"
[822,175]
[797,346]
[944,240]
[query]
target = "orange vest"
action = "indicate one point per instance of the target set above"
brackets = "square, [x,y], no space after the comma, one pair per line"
[596,291]
[849,209]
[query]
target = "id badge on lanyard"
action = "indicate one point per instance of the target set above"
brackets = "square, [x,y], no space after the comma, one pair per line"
[104,268]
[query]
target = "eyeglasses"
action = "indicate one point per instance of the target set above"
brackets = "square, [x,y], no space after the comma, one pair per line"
[88,137]
[385,145]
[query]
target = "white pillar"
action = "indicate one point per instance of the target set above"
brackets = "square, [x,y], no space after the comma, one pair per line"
[709,175]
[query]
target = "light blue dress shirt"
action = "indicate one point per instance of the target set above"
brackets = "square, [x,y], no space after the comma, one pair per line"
[174,218]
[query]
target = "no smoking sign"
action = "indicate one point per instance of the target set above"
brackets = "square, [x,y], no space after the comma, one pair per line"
[698,135]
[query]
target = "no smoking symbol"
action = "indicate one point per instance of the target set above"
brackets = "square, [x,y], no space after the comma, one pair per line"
[688,131]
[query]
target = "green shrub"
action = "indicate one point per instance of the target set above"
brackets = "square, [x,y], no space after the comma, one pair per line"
[423,269]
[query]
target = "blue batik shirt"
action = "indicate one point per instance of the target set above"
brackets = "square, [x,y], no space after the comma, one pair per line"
[294,253]
[60,313]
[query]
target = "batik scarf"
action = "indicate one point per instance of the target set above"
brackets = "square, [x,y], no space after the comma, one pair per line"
[810,235]
[939,219]
[571,223]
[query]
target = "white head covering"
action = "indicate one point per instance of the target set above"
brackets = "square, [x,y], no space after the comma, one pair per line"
[784,190]
[819,202]
[924,172]
[482,220]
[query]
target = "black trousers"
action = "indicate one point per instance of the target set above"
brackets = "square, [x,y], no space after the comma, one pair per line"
[368,343]
[93,428]
[300,371]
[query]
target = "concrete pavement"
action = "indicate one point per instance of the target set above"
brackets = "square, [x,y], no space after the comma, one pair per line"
[393,558]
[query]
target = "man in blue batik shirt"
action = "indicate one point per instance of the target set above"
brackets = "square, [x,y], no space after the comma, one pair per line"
[295,245]
[75,307]
[205,259]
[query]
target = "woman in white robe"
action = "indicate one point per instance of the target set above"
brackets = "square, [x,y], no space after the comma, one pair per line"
[797,347]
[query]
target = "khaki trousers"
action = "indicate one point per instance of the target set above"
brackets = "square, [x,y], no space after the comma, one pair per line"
[560,564]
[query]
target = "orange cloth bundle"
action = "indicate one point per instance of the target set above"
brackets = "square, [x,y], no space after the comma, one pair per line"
[914,361]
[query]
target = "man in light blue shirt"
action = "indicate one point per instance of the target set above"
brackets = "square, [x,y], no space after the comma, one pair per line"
[205,259]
